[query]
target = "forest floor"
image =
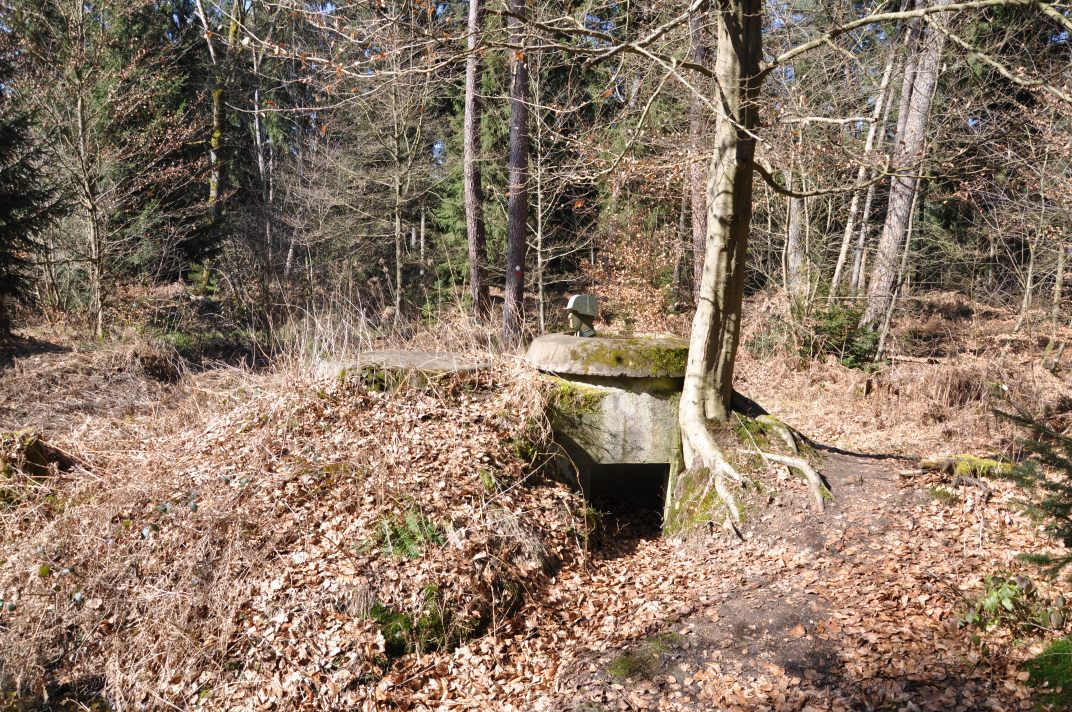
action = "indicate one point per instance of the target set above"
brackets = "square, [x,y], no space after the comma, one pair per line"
[229,539]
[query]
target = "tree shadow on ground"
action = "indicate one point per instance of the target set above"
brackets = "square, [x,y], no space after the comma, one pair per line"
[15,347]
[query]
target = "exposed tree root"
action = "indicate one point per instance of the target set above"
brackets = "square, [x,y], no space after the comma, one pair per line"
[818,490]
[701,449]
[791,437]
[783,431]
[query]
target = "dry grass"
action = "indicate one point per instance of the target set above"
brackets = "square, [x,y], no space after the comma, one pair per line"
[220,542]
[343,329]
[953,364]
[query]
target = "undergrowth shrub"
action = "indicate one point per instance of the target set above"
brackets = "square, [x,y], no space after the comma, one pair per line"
[836,330]
[1014,602]
[772,336]
[1050,673]
[436,626]
[1046,478]
[407,535]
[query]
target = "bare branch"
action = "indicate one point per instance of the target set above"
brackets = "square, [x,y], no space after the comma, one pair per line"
[876,18]
[765,173]
[1001,68]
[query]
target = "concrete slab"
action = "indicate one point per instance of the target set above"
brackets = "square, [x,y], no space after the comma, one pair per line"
[610,356]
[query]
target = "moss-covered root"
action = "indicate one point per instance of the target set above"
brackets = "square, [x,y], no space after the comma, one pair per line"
[718,481]
[967,466]
[703,452]
[776,427]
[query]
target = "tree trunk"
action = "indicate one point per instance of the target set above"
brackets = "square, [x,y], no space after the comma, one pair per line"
[1029,285]
[716,325]
[541,262]
[859,271]
[474,194]
[399,243]
[1059,282]
[696,168]
[863,173]
[908,152]
[94,238]
[96,275]
[214,143]
[215,177]
[422,238]
[902,279]
[518,205]
[682,246]
[796,282]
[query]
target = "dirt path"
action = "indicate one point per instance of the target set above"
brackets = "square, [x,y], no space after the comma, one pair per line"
[855,609]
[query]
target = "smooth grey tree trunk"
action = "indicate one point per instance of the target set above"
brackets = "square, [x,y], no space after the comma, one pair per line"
[912,41]
[474,192]
[708,388]
[796,278]
[863,173]
[907,156]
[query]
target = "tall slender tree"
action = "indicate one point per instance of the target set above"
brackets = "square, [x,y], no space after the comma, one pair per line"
[697,178]
[474,192]
[917,94]
[518,206]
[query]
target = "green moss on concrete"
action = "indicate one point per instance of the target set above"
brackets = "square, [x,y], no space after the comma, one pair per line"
[652,357]
[574,400]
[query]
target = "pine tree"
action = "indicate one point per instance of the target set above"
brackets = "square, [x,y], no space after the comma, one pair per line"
[27,205]
[1046,477]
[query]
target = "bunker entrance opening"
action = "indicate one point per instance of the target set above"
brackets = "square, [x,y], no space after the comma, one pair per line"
[631,494]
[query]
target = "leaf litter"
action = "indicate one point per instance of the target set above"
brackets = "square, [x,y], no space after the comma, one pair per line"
[235,557]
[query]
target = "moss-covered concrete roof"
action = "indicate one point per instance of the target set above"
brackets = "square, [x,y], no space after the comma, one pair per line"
[628,357]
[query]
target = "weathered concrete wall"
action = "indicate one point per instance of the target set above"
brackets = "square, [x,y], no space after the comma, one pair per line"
[389,370]
[615,422]
[615,400]
[630,357]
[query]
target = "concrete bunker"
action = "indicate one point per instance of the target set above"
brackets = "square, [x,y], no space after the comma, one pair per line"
[614,410]
[389,370]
